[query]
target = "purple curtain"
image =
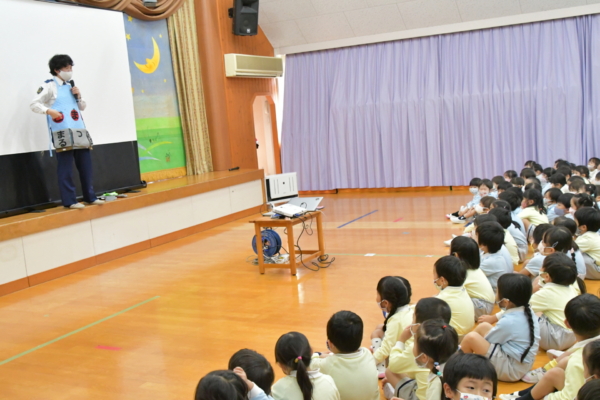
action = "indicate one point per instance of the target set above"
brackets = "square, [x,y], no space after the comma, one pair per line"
[439,110]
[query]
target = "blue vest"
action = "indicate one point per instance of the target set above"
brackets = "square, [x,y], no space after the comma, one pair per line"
[67,105]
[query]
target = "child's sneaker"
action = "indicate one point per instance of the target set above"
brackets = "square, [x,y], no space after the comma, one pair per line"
[553,354]
[510,396]
[458,220]
[534,376]
[448,242]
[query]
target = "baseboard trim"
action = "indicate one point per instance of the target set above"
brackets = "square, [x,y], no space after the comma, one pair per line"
[14,286]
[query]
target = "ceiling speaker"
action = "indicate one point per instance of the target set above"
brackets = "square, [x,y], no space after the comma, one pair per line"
[245,17]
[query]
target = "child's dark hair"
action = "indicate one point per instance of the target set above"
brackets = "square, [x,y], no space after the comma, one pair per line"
[518,290]
[293,351]
[590,217]
[511,174]
[467,250]
[473,366]
[482,219]
[560,239]
[432,308]
[518,192]
[537,198]
[257,368]
[590,391]
[529,163]
[534,185]
[564,171]
[592,190]
[595,160]
[221,385]
[502,204]
[527,173]
[561,269]
[394,290]
[504,186]
[452,269]
[475,182]
[558,179]
[549,171]
[59,62]
[591,358]
[584,200]
[511,198]
[487,201]
[565,222]
[583,171]
[345,331]
[576,185]
[437,339]
[554,194]
[539,231]
[583,315]
[491,234]
[498,179]
[487,183]
[517,181]
[503,216]
[565,200]
[538,168]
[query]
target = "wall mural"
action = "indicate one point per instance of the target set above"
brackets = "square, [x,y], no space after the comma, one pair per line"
[158,122]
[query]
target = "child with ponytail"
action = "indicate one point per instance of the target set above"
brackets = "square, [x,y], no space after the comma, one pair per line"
[435,343]
[513,343]
[293,354]
[558,274]
[393,297]
[533,210]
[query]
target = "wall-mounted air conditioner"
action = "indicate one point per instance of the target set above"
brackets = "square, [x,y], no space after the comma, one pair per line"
[244,66]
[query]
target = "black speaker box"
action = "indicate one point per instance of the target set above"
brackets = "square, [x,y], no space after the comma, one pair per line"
[245,17]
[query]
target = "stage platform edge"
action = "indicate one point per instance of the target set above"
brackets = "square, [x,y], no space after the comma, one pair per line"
[38,247]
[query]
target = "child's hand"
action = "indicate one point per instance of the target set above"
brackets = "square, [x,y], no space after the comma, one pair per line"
[239,371]
[490,319]
[406,334]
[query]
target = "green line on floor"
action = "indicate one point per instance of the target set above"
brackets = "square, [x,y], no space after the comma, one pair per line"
[76,331]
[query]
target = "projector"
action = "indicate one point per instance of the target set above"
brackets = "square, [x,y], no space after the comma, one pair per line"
[151,3]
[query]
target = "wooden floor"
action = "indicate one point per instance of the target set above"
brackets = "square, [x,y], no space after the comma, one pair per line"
[148,326]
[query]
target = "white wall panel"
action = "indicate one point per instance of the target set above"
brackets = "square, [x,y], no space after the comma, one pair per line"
[246,195]
[211,205]
[120,230]
[12,261]
[169,217]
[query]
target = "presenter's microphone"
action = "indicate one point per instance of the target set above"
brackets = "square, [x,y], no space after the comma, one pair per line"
[72,82]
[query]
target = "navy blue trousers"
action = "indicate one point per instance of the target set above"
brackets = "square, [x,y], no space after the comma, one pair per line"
[83,161]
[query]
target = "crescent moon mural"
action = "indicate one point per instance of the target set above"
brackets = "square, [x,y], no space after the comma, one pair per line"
[151,64]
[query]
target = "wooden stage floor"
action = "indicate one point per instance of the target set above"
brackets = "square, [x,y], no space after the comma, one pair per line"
[149,325]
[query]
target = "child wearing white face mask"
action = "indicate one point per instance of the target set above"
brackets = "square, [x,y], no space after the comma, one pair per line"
[470,377]
[460,216]
[593,165]
[588,224]
[512,344]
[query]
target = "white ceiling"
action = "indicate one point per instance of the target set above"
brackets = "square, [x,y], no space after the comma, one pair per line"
[296,23]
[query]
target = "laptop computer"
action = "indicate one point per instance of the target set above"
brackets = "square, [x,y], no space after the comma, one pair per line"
[308,203]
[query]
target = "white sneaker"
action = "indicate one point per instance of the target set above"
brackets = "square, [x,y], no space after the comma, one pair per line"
[534,376]
[77,206]
[388,391]
[554,353]
[448,242]
[510,396]
[453,236]
[98,202]
[448,216]
[458,220]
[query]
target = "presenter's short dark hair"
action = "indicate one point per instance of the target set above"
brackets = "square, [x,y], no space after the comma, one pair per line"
[59,61]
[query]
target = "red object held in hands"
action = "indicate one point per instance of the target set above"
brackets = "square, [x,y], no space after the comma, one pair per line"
[59,119]
[74,115]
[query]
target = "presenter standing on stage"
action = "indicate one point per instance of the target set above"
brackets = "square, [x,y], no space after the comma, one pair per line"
[61,101]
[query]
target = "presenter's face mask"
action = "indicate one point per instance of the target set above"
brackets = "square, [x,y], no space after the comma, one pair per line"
[66,75]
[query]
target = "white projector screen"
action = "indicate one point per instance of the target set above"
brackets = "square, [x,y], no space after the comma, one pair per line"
[32,32]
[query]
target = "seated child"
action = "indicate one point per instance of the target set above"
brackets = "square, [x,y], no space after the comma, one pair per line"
[591,372]
[564,381]
[513,228]
[540,174]
[589,391]
[477,285]
[490,237]
[484,188]
[512,344]
[558,273]
[469,376]
[293,354]
[352,367]
[435,343]
[588,221]
[474,189]
[563,205]
[221,385]
[571,226]
[533,211]
[593,165]
[581,200]
[403,377]
[577,185]
[480,209]
[449,275]
[257,370]
[550,201]
[514,200]
[503,187]
[508,175]
[582,171]
[504,219]
[558,181]
[393,297]
[528,171]
[496,181]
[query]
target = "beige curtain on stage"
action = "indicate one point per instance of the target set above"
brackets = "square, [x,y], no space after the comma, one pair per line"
[190,93]
[136,8]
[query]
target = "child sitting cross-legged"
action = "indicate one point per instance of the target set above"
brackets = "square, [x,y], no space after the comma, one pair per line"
[513,228]
[512,344]
[403,377]
[495,260]
[352,367]
[588,224]
[564,381]
[458,216]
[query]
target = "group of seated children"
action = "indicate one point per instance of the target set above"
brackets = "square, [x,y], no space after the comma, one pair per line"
[433,350]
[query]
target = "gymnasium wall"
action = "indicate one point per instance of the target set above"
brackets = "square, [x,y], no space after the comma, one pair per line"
[229,100]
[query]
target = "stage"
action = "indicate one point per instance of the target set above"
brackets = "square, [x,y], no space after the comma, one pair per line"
[38,247]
